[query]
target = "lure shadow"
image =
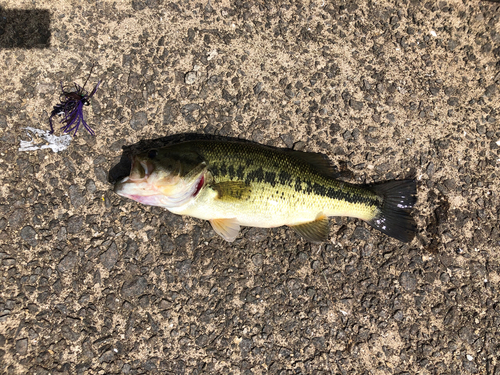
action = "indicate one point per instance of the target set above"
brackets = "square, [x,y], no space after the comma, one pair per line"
[25,28]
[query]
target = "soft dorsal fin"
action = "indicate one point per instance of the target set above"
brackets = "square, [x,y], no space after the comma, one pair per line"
[315,231]
[226,228]
[320,162]
[232,190]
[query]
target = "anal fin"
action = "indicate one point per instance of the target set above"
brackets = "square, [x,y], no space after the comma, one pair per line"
[226,228]
[314,231]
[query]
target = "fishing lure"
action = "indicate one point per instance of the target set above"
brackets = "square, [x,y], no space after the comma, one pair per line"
[71,108]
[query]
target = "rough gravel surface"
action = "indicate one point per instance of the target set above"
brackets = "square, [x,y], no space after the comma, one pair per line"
[92,283]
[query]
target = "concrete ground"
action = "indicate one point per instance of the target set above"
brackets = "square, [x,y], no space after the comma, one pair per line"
[92,283]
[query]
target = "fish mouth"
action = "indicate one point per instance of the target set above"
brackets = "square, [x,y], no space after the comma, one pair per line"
[140,170]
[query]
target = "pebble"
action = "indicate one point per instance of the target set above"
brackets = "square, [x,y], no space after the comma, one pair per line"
[182,241]
[22,346]
[361,233]
[149,366]
[490,90]
[430,169]
[16,218]
[287,139]
[139,120]
[202,340]
[107,356]
[398,315]
[191,107]
[75,223]
[90,186]
[367,250]
[170,112]
[258,136]
[62,234]
[110,256]
[257,89]
[68,262]
[245,346]
[166,244]
[100,174]
[356,105]
[299,146]
[383,168]
[481,129]
[347,135]
[256,234]
[444,277]
[190,78]
[9,262]
[258,260]
[184,267]
[28,234]
[134,287]
[293,284]
[76,197]
[408,281]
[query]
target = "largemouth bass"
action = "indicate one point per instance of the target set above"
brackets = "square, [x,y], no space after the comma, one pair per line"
[235,184]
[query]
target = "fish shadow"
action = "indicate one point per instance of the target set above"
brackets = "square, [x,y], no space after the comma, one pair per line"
[122,169]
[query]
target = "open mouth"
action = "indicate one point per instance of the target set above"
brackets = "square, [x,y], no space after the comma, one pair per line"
[140,170]
[136,181]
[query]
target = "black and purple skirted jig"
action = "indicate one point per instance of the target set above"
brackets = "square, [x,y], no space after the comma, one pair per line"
[71,108]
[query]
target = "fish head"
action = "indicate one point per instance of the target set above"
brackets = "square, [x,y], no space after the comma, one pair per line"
[162,178]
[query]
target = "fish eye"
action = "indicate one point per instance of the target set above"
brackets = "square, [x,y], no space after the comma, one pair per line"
[152,154]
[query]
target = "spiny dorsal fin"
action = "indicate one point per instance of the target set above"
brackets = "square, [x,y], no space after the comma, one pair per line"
[232,190]
[226,228]
[315,231]
[320,162]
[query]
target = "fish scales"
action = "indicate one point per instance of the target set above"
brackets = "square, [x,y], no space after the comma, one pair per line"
[240,183]
[281,175]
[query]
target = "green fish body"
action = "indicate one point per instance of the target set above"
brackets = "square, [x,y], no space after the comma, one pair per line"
[235,184]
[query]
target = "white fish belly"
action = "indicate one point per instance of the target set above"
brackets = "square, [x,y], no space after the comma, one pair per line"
[267,212]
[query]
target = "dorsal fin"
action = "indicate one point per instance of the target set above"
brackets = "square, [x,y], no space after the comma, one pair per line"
[320,162]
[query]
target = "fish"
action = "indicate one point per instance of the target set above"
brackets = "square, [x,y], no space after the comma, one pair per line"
[236,183]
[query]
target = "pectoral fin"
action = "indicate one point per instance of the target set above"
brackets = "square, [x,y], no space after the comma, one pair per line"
[226,228]
[315,231]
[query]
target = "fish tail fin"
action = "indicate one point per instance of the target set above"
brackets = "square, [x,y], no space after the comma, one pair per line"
[393,218]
